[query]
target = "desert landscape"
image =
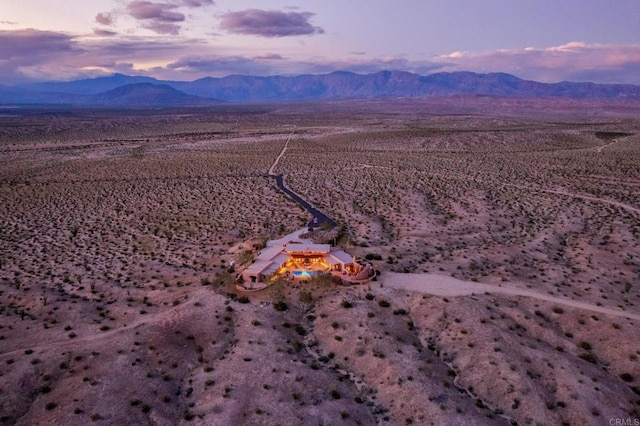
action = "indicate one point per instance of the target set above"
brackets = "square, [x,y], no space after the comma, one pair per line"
[506,233]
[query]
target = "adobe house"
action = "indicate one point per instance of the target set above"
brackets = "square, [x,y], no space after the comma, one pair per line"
[298,259]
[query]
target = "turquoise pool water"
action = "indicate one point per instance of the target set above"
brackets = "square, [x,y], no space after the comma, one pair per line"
[302,274]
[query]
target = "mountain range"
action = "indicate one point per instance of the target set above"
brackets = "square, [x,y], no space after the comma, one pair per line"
[122,90]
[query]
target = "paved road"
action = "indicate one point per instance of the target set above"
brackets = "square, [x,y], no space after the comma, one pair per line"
[319,218]
[317,214]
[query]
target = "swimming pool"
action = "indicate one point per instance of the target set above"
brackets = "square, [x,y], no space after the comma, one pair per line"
[302,274]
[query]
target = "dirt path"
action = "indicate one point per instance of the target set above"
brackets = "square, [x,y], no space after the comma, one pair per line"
[600,148]
[318,218]
[284,149]
[165,318]
[566,194]
[442,285]
[583,197]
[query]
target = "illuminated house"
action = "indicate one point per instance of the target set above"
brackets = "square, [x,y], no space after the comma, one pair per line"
[298,259]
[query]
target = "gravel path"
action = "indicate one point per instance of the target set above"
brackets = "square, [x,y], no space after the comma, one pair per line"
[442,285]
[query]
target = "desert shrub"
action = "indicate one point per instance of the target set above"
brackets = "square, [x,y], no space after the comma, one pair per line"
[346,304]
[383,303]
[280,306]
[540,314]
[627,377]
[585,345]
[373,256]
[589,357]
[243,299]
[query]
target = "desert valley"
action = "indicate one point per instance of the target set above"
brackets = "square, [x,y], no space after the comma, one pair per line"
[506,233]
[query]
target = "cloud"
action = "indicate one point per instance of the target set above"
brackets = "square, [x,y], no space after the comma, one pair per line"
[34,43]
[217,66]
[41,55]
[33,55]
[198,3]
[157,17]
[104,19]
[269,23]
[104,33]
[574,61]
[29,53]
[141,9]
[270,56]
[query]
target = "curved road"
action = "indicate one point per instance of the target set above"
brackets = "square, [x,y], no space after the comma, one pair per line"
[317,214]
[319,218]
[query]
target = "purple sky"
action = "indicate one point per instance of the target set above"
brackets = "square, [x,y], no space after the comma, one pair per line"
[544,40]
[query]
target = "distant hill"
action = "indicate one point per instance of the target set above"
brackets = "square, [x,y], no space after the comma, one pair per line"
[147,94]
[122,90]
[127,95]
[92,86]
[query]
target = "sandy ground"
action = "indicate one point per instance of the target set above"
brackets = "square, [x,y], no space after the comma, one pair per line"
[509,246]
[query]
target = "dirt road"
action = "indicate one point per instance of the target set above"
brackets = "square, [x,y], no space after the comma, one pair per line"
[442,285]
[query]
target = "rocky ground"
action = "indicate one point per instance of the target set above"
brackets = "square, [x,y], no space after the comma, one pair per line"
[117,232]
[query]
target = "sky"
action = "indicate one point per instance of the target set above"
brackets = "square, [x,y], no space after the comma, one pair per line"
[542,40]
